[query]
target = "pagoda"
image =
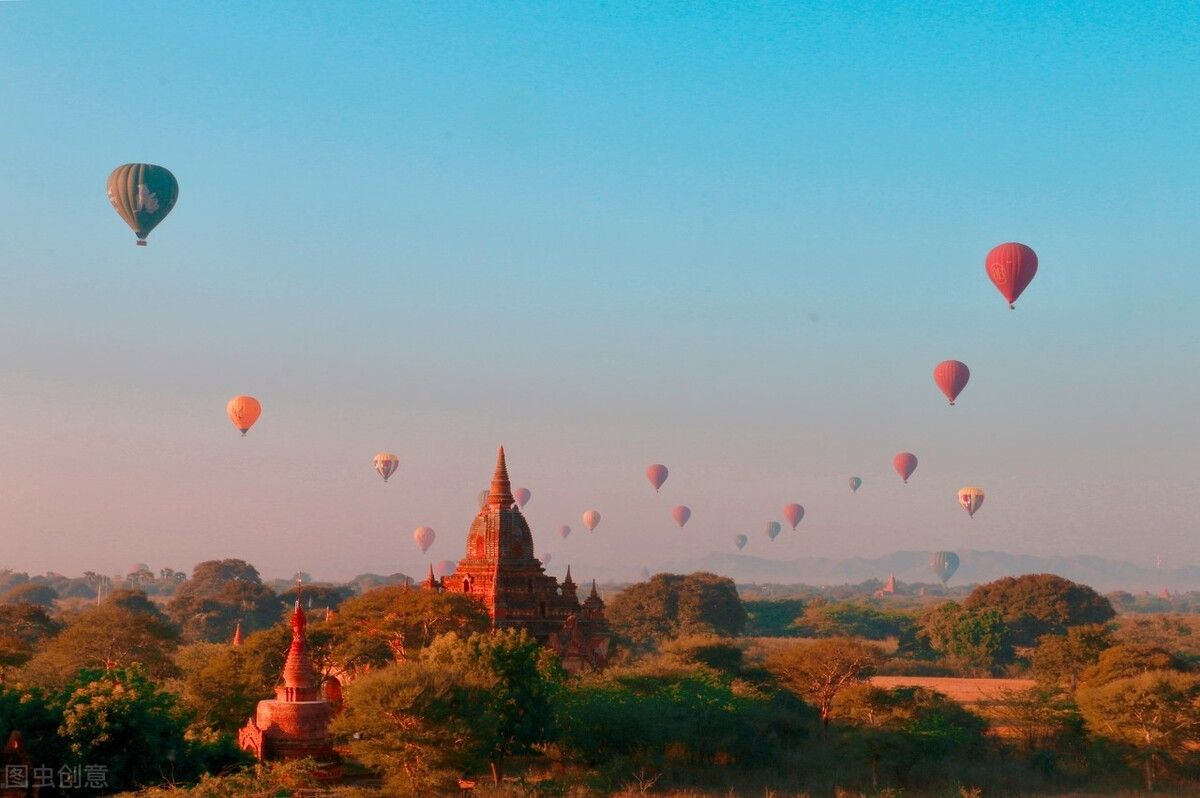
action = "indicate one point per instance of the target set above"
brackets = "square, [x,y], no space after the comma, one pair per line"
[500,570]
[294,724]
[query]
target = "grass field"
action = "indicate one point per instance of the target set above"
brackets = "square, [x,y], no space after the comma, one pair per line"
[968,692]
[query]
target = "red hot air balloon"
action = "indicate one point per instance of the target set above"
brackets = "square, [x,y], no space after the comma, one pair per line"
[681,515]
[657,474]
[905,464]
[1011,268]
[522,495]
[793,513]
[423,536]
[444,568]
[591,519]
[951,376]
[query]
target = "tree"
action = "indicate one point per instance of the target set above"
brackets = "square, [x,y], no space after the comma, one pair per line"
[1059,660]
[670,605]
[1156,713]
[220,594]
[108,636]
[848,619]
[22,628]
[393,623]
[772,617]
[1127,660]
[31,593]
[1040,604]
[818,671]
[37,719]
[977,640]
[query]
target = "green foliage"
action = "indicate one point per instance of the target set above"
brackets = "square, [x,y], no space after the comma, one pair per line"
[819,670]
[31,593]
[108,636]
[670,605]
[772,617]
[1040,604]
[37,719]
[220,594]
[718,653]
[22,628]
[1059,660]
[976,640]
[849,619]
[1155,713]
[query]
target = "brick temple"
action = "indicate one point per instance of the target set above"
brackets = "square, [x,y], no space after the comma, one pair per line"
[500,570]
[294,724]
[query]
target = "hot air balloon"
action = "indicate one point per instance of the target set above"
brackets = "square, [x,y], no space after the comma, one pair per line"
[1011,268]
[546,558]
[855,484]
[444,568]
[793,514]
[591,519]
[143,194]
[657,474]
[971,499]
[386,464]
[483,496]
[773,529]
[243,412]
[944,564]
[564,531]
[681,515]
[424,536]
[951,376]
[522,495]
[740,541]
[905,464]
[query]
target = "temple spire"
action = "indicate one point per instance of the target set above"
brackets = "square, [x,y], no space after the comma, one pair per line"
[501,493]
[237,634]
[594,593]
[568,580]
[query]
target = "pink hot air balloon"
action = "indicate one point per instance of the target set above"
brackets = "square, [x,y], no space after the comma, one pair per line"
[657,474]
[546,558]
[951,377]
[681,515]
[564,531]
[793,514]
[591,520]
[905,464]
[444,568]
[424,536]
[522,495]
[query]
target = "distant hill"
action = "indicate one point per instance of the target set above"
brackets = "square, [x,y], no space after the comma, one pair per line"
[913,566]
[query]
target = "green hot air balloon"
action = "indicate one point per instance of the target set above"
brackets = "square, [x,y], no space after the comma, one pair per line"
[143,194]
[944,564]
[855,484]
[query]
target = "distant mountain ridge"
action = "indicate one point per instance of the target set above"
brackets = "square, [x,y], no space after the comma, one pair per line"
[913,566]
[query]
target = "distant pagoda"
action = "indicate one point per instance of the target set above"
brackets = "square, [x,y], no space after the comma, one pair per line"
[499,569]
[294,724]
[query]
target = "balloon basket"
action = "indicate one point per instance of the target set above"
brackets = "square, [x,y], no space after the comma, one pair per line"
[141,242]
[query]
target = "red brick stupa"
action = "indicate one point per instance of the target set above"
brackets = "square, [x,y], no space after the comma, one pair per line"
[501,571]
[294,724]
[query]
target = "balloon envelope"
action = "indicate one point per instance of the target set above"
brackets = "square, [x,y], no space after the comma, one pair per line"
[944,564]
[243,411]
[855,484]
[971,499]
[564,531]
[1011,268]
[143,194]
[522,495]
[793,514]
[591,519]
[773,529]
[424,536]
[444,568]
[657,474]
[386,464]
[905,464]
[740,541]
[546,558]
[681,515]
[951,376]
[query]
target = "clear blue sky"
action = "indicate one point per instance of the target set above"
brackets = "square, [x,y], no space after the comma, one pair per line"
[734,239]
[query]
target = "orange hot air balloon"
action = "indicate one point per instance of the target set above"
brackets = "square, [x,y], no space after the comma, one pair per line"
[1011,267]
[243,412]
[591,520]
[951,376]
[657,474]
[905,464]
[681,515]
[386,464]
[424,536]
[971,499]
[522,495]
[793,514]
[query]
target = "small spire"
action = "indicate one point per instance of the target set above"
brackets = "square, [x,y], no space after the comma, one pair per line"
[500,495]
[237,634]
[298,583]
[568,581]
[594,593]
[431,580]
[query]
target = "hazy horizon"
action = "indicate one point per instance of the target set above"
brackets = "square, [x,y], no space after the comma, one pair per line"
[736,243]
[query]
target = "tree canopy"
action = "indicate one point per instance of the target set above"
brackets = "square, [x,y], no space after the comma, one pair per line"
[1040,604]
[670,605]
